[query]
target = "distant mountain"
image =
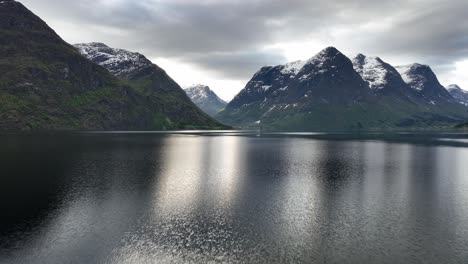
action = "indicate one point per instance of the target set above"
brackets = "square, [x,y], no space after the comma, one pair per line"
[45,84]
[330,91]
[167,97]
[205,99]
[460,95]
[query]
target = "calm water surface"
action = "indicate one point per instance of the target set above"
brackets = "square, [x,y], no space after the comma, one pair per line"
[233,198]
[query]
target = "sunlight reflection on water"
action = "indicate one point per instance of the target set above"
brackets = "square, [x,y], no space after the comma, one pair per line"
[175,198]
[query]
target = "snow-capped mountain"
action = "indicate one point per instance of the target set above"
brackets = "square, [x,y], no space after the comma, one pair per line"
[328,77]
[268,82]
[422,79]
[302,81]
[152,81]
[372,70]
[381,77]
[127,65]
[460,95]
[59,89]
[119,62]
[330,91]
[205,99]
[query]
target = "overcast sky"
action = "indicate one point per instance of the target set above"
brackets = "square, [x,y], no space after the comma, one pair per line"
[222,43]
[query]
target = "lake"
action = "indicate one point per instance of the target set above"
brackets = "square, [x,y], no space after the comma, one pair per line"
[234,197]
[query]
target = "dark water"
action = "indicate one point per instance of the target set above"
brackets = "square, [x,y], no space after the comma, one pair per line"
[230,198]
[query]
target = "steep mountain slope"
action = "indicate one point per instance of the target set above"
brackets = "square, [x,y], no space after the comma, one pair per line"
[460,95]
[45,84]
[328,77]
[269,82]
[329,91]
[42,76]
[382,78]
[205,99]
[324,92]
[165,95]
[422,79]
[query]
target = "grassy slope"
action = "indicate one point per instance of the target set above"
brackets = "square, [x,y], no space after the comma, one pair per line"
[45,84]
[387,113]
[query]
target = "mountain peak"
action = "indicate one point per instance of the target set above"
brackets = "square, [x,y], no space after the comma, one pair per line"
[421,78]
[454,87]
[15,16]
[119,62]
[372,69]
[330,51]
[381,77]
[205,98]
[325,57]
[419,65]
[327,53]
[416,75]
[199,87]
[403,69]
[460,95]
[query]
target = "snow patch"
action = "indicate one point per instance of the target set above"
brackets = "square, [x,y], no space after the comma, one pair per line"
[293,67]
[197,92]
[414,80]
[404,72]
[304,77]
[266,87]
[322,57]
[371,70]
[116,61]
[269,110]
[200,93]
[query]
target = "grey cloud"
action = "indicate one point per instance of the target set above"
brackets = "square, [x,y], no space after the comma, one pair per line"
[435,32]
[228,37]
[238,64]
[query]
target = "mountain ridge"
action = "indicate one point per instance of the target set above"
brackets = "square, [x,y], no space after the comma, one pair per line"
[46,84]
[331,91]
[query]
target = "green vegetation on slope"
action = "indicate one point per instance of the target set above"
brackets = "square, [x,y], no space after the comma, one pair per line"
[45,84]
